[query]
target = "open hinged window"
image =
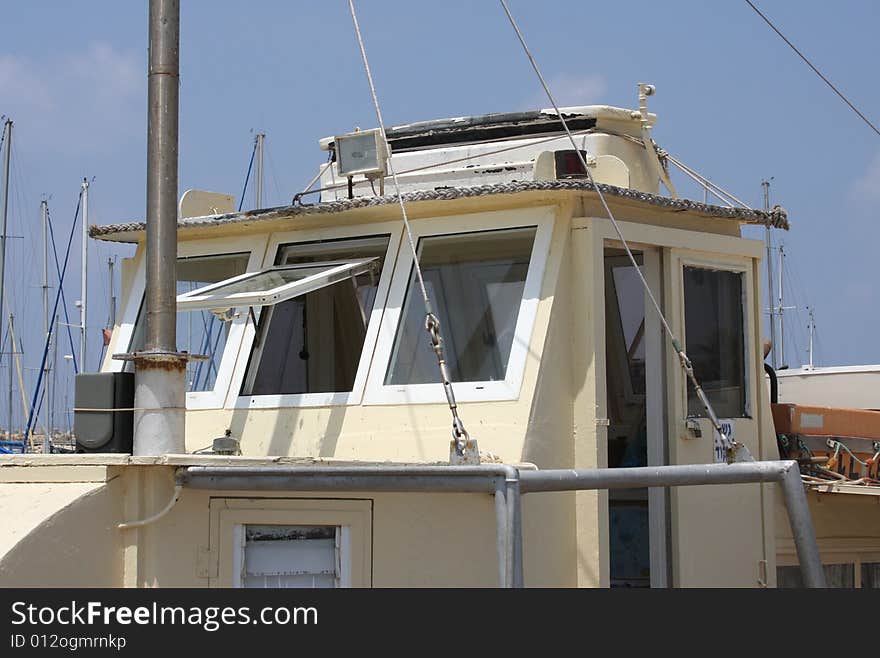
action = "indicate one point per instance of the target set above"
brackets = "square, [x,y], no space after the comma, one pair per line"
[313,343]
[272,286]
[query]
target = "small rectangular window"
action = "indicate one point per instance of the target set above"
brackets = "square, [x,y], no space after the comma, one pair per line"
[201,332]
[715,339]
[288,556]
[837,576]
[475,282]
[312,343]
[871,575]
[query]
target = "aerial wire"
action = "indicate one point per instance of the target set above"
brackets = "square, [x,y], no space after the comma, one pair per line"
[815,70]
[685,361]
[461,439]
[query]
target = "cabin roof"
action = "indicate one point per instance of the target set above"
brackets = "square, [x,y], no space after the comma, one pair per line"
[777,218]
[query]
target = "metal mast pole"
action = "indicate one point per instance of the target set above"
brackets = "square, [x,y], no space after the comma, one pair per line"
[8,140]
[768,239]
[780,308]
[10,353]
[160,383]
[84,281]
[259,185]
[44,214]
[52,388]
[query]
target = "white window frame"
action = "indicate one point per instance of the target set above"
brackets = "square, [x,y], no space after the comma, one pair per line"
[337,398]
[353,516]
[213,399]
[744,270]
[378,393]
[204,299]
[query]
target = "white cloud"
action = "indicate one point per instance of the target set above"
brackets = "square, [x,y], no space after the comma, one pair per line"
[867,187]
[570,89]
[87,102]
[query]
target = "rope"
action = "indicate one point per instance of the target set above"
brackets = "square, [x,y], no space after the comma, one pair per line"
[685,361]
[432,323]
[63,298]
[131,409]
[41,371]
[247,176]
[815,70]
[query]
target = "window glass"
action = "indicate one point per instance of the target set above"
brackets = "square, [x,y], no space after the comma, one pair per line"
[198,332]
[313,343]
[714,335]
[838,576]
[871,575]
[282,556]
[475,282]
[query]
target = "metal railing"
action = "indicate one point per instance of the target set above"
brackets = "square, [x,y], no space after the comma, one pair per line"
[508,484]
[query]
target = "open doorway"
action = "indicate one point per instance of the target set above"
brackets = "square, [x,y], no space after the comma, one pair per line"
[635,402]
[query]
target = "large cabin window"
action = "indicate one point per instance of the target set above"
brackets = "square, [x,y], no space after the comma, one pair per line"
[714,334]
[313,342]
[200,332]
[475,282]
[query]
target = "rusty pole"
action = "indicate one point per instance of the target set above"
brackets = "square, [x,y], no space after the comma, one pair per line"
[160,391]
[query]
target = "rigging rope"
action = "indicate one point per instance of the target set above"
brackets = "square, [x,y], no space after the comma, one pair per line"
[460,436]
[815,70]
[247,176]
[730,445]
[63,299]
[54,313]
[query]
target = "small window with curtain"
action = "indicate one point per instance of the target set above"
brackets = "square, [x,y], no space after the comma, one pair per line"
[200,332]
[313,341]
[293,556]
[715,339]
[475,282]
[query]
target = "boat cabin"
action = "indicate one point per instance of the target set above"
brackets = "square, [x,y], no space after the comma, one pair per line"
[311,321]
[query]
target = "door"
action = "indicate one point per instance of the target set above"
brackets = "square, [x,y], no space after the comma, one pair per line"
[635,403]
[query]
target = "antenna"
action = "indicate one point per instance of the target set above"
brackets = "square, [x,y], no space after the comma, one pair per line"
[769,241]
[812,328]
[781,308]
[258,193]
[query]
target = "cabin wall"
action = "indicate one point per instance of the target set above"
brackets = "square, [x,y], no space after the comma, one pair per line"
[61,527]
[414,539]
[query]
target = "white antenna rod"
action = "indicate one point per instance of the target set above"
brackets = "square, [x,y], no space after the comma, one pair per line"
[812,330]
[259,185]
[111,319]
[84,282]
[769,240]
[781,309]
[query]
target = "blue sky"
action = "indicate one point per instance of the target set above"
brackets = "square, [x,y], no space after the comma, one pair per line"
[733,102]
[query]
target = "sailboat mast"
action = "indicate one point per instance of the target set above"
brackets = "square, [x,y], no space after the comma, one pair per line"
[768,239]
[259,186]
[8,141]
[44,213]
[84,281]
[11,353]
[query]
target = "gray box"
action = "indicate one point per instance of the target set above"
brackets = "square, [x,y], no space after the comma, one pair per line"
[104,431]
